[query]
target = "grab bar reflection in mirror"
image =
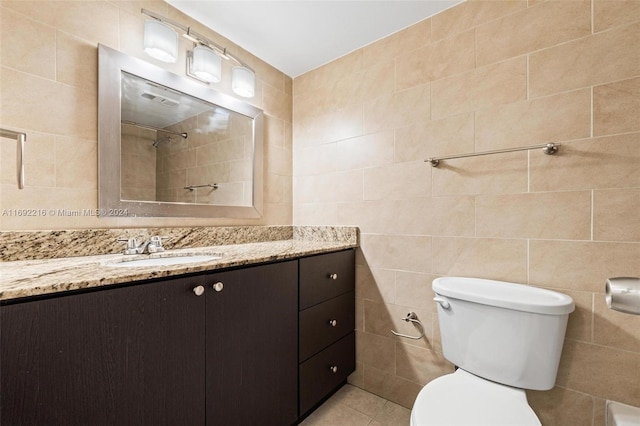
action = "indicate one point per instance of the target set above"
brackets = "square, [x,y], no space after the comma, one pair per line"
[20,139]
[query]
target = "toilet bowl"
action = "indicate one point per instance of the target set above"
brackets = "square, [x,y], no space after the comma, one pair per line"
[504,338]
[462,399]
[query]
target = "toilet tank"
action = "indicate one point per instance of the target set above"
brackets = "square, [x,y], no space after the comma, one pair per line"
[505,332]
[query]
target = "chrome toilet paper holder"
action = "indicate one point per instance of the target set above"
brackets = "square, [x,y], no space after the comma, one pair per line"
[411,317]
[623,294]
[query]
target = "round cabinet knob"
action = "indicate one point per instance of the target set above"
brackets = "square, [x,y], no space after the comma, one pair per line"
[199,291]
[333,276]
[333,323]
[334,369]
[218,286]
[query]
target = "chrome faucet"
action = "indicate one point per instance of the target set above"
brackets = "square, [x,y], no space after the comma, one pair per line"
[153,245]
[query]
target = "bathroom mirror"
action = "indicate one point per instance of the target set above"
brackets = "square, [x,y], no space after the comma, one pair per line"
[170,146]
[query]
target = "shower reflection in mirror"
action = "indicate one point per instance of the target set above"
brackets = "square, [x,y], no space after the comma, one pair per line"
[173,146]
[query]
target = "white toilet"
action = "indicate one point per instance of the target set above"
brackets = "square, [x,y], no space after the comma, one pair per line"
[504,338]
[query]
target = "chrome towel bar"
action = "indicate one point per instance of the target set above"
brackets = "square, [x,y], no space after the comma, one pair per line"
[158,129]
[206,185]
[20,139]
[547,148]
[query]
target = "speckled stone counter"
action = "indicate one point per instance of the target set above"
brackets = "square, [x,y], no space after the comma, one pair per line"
[27,245]
[36,277]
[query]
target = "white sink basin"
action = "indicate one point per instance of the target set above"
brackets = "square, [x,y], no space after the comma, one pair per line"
[164,261]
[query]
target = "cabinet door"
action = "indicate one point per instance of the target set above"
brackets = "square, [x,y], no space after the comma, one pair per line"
[123,356]
[252,328]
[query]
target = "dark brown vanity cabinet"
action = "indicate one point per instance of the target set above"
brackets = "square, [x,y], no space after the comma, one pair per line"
[216,349]
[327,322]
[257,345]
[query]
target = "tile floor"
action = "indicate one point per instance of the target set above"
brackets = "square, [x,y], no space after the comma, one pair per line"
[352,406]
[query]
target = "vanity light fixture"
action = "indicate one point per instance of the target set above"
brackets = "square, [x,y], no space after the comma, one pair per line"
[160,41]
[243,81]
[204,62]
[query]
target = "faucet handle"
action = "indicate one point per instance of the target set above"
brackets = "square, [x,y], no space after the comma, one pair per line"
[132,245]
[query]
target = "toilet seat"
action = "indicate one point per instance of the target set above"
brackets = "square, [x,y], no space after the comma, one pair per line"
[463,399]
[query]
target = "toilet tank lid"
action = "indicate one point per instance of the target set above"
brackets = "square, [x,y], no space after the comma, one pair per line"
[518,297]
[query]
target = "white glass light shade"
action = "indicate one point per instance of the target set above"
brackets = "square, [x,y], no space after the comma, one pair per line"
[243,82]
[206,64]
[160,41]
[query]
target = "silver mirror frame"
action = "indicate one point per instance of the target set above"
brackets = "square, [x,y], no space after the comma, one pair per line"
[111,64]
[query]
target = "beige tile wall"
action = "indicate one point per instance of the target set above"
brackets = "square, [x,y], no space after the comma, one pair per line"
[138,163]
[485,75]
[48,86]
[221,156]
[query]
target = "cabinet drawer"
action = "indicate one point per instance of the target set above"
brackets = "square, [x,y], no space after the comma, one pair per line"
[323,324]
[317,378]
[326,276]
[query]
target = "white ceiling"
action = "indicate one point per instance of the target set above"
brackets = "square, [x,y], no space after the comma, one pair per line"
[296,36]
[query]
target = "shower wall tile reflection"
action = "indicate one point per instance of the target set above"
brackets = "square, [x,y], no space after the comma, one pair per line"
[217,151]
[138,167]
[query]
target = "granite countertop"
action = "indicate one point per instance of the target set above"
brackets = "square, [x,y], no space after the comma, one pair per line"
[26,278]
